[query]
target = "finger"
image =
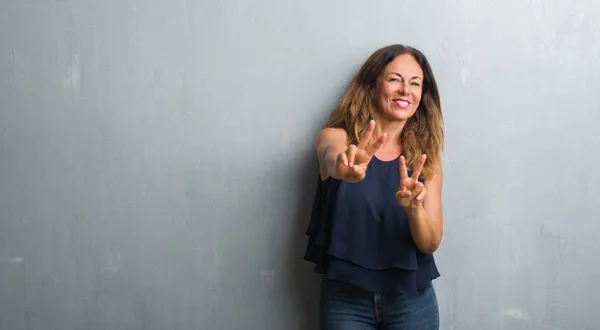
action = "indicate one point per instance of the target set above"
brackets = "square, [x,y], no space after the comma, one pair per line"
[403,195]
[417,171]
[403,170]
[351,154]
[359,173]
[343,159]
[341,166]
[367,136]
[372,149]
[421,196]
[419,187]
[353,174]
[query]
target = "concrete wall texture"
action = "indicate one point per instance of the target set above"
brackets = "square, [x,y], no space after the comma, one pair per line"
[157,165]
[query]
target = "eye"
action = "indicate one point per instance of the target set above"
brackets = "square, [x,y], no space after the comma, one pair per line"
[395,80]
[416,84]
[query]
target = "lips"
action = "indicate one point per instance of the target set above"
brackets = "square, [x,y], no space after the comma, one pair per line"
[402,103]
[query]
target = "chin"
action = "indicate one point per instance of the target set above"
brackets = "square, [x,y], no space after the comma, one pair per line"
[401,118]
[397,114]
[403,114]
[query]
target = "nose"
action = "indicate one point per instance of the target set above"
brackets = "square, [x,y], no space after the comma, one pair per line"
[403,89]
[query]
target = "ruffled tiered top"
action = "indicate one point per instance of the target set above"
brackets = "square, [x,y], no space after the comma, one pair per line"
[359,234]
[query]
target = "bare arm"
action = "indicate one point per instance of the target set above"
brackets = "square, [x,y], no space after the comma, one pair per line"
[426,220]
[330,143]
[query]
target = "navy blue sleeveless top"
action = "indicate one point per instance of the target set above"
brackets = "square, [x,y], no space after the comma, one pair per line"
[359,234]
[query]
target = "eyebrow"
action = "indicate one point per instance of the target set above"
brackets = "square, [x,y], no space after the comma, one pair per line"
[396,73]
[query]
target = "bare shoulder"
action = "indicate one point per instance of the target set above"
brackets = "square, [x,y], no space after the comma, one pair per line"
[437,165]
[331,135]
[436,179]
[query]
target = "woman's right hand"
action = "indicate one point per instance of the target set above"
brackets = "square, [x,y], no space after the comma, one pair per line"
[351,164]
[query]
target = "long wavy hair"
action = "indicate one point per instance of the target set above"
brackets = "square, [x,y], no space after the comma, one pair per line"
[423,132]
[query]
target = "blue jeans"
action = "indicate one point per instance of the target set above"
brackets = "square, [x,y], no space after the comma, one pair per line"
[347,307]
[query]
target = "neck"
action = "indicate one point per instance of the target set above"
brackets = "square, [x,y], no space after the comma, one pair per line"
[392,128]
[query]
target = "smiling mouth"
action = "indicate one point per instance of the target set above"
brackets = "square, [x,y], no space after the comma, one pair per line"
[402,103]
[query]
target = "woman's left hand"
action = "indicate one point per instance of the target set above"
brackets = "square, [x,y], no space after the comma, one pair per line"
[411,192]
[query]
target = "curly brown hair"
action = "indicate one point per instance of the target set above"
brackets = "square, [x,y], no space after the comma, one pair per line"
[423,132]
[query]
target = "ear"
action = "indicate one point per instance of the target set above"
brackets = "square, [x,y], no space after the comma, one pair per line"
[373,85]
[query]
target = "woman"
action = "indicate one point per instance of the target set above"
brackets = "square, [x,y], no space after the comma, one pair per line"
[377,214]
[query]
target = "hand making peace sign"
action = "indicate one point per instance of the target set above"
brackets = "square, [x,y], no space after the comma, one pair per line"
[411,192]
[351,165]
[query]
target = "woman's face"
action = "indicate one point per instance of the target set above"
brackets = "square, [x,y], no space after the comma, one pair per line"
[398,89]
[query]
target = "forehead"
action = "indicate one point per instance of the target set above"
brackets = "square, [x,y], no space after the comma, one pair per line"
[405,65]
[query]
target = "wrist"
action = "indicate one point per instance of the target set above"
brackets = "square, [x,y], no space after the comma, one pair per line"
[414,212]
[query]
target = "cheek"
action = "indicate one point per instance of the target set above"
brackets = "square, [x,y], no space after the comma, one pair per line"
[383,96]
[418,96]
[389,93]
[378,93]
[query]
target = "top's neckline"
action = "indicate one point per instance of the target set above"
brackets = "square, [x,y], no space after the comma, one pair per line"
[387,161]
